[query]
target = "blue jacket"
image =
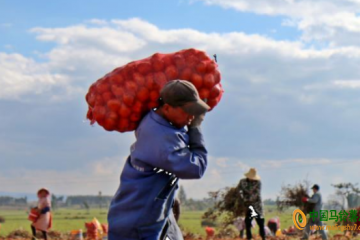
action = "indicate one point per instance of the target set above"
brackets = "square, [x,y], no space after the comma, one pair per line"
[162,153]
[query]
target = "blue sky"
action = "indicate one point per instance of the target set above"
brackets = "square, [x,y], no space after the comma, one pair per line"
[289,69]
[164,14]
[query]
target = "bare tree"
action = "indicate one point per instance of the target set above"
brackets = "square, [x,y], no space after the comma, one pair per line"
[335,202]
[345,191]
[182,195]
[100,199]
[86,206]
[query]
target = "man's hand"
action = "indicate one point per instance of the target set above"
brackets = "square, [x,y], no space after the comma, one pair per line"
[197,121]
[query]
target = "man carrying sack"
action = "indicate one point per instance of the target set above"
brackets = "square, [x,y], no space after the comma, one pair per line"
[169,145]
[250,190]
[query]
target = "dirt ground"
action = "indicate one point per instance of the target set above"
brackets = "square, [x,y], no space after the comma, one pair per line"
[54,235]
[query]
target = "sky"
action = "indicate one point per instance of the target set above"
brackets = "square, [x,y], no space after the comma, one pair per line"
[290,71]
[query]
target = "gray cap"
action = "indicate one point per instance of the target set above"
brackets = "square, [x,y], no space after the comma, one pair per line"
[181,93]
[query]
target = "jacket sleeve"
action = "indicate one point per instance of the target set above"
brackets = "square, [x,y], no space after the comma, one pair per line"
[314,198]
[45,210]
[240,188]
[187,162]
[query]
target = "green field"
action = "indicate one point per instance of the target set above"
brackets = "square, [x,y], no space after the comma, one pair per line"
[65,220]
[191,221]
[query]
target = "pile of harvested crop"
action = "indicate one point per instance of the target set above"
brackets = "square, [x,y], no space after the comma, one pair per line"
[56,235]
[291,196]
[229,204]
[19,234]
[353,217]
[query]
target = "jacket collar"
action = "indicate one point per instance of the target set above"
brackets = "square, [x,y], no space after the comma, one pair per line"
[159,119]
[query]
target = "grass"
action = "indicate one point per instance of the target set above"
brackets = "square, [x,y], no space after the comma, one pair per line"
[191,222]
[65,220]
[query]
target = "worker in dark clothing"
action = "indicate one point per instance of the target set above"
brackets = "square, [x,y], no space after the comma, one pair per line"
[250,190]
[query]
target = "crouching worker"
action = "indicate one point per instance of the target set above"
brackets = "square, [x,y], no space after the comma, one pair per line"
[273,225]
[164,151]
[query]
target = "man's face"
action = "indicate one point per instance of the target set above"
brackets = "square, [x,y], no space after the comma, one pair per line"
[42,194]
[314,190]
[177,116]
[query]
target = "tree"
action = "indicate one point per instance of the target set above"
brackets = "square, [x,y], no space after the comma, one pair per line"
[53,201]
[11,201]
[100,199]
[349,194]
[335,202]
[56,200]
[86,206]
[93,201]
[269,201]
[182,195]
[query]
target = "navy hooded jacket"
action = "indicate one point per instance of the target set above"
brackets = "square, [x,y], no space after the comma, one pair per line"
[161,153]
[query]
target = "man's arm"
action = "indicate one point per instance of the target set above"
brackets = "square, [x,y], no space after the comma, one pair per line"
[242,188]
[187,162]
[314,198]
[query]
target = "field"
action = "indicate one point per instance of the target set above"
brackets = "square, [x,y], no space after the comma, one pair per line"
[66,220]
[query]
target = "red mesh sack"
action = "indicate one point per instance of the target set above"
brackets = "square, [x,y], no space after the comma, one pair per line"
[91,231]
[34,215]
[105,228]
[120,99]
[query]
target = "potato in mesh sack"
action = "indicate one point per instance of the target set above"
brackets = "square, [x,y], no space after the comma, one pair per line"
[120,99]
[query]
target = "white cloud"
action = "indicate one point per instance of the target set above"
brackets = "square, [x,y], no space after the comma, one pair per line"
[291,8]
[243,166]
[9,47]
[21,75]
[336,22]
[108,166]
[347,83]
[290,163]
[6,25]
[98,21]
[339,29]
[86,52]
[267,84]
[100,175]
[221,162]
[85,37]
[213,180]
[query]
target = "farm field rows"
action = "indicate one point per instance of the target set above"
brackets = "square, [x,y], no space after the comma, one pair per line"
[65,220]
